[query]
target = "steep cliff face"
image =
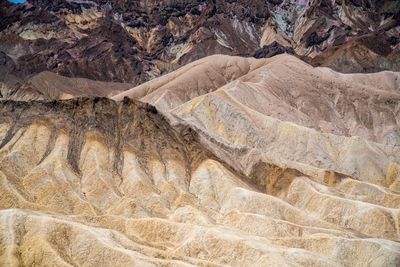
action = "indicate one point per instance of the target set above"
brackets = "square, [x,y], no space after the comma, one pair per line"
[135,41]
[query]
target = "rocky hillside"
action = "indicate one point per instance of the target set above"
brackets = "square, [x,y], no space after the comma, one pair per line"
[200,133]
[258,162]
[135,41]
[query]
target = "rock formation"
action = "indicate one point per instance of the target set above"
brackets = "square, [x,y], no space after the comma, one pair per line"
[227,161]
[49,86]
[200,133]
[135,41]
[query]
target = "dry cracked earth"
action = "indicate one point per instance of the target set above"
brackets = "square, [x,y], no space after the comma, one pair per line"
[224,161]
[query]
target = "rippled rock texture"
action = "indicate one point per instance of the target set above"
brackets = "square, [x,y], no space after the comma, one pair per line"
[259,162]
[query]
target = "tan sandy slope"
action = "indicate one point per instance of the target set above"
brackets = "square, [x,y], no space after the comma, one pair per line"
[291,114]
[244,163]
